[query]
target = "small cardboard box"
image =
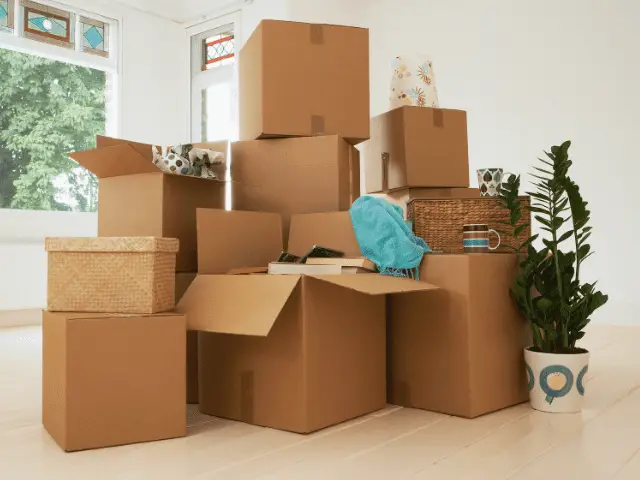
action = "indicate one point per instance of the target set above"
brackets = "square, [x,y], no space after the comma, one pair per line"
[275,340]
[417,147]
[459,350]
[112,379]
[296,175]
[302,80]
[136,199]
[111,274]
[183,280]
[402,197]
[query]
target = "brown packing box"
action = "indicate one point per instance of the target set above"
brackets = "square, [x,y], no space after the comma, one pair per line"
[277,353]
[459,350]
[295,175]
[136,199]
[112,379]
[402,197]
[301,79]
[183,280]
[417,147]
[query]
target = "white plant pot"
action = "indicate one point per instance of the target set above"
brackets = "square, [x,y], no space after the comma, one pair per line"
[556,380]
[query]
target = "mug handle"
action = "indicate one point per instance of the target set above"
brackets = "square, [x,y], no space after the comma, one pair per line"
[499,239]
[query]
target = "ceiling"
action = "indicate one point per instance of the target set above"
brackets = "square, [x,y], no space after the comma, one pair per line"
[182,11]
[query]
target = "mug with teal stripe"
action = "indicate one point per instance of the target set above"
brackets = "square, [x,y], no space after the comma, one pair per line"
[475,238]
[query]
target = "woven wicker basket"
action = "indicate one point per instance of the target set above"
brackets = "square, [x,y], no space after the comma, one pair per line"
[440,222]
[111,274]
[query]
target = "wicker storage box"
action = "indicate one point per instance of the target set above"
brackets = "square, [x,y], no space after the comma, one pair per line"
[439,221]
[111,274]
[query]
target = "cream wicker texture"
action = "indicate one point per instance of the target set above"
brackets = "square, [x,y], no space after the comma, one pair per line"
[111,275]
[440,222]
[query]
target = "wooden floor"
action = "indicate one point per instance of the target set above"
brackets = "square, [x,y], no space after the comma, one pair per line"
[601,443]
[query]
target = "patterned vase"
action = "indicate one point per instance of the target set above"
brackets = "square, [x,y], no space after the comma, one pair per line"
[413,82]
[556,380]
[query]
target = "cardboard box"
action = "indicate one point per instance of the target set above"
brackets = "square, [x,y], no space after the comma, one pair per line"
[183,280]
[296,175]
[417,147]
[112,379]
[275,341]
[402,197]
[459,350]
[301,80]
[137,200]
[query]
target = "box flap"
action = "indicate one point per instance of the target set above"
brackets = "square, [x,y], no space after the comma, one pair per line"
[236,239]
[115,161]
[332,230]
[375,284]
[143,149]
[236,304]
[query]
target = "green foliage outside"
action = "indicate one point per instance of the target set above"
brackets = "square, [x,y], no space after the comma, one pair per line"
[47,108]
[549,290]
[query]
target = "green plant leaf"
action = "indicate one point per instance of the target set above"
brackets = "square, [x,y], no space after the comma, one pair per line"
[565,236]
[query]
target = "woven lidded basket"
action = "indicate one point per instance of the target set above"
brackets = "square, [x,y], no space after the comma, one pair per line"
[439,221]
[111,274]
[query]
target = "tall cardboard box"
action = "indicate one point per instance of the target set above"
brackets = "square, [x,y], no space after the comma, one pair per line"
[277,353]
[183,280]
[301,80]
[111,379]
[459,350]
[295,175]
[136,199]
[417,147]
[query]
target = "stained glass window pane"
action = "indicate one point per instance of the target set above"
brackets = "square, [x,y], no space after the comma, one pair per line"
[6,15]
[95,36]
[219,50]
[47,24]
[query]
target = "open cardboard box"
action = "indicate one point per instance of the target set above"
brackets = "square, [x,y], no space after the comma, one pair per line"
[278,353]
[136,199]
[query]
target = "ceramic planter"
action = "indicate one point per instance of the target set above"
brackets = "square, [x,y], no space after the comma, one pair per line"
[555,380]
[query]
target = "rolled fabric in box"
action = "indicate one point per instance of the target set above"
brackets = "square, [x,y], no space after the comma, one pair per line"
[189,160]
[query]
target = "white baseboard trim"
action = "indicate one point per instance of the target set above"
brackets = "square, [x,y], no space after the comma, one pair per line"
[20,318]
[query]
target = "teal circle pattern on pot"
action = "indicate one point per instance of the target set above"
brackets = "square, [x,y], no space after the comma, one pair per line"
[530,380]
[579,384]
[555,391]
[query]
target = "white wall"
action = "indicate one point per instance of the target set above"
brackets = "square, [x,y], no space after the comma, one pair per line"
[530,75]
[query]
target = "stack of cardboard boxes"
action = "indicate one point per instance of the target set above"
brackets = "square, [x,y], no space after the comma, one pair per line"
[293,352]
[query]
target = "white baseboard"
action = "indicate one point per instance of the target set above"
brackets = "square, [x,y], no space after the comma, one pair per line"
[20,318]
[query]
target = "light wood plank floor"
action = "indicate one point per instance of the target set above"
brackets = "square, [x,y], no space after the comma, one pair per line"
[603,442]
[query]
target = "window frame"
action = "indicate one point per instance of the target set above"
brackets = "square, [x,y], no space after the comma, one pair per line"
[111,65]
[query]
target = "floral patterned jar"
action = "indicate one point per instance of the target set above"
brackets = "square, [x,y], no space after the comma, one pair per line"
[413,82]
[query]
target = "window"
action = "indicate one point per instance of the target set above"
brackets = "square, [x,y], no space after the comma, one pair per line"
[214,98]
[57,92]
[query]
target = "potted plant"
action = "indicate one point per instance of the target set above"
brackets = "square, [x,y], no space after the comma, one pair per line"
[548,289]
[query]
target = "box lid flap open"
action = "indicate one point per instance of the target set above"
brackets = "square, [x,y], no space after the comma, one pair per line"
[374,284]
[115,161]
[241,305]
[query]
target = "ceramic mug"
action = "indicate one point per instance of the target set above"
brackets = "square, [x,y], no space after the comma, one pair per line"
[475,238]
[413,82]
[489,181]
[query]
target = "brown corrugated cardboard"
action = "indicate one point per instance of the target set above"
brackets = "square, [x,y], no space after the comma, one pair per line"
[296,175]
[300,79]
[417,147]
[278,342]
[332,230]
[257,242]
[274,340]
[402,197]
[183,280]
[459,350]
[112,379]
[136,199]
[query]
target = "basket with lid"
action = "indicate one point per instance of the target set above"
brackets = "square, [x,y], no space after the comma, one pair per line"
[111,274]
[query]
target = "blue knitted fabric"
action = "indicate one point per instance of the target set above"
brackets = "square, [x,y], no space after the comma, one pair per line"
[385,238]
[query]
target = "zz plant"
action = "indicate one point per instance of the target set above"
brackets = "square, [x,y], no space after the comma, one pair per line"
[548,290]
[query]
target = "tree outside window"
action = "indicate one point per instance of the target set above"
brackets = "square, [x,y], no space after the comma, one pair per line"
[47,109]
